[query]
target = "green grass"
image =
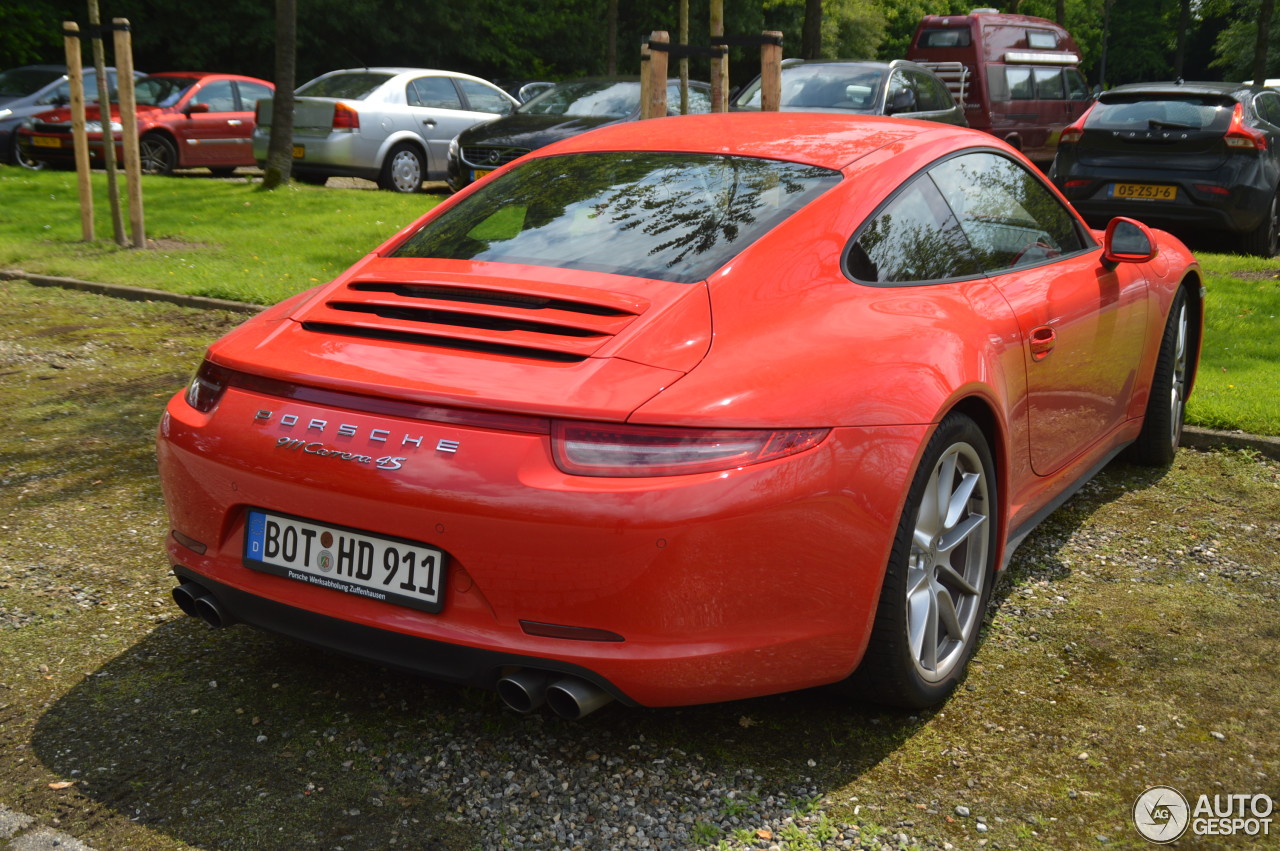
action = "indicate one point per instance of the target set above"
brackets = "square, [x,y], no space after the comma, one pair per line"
[1239,381]
[210,237]
[231,240]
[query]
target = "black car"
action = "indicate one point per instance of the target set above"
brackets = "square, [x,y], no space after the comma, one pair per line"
[899,88]
[1185,157]
[564,110]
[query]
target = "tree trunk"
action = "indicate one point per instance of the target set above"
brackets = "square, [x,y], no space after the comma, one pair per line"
[1264,38]
[280,145]
[1184,27]
[611,49]
[811,35]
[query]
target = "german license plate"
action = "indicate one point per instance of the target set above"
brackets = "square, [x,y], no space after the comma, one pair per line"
[299,152]
[480,172]
[46,141]
[1143,192]
[377,567]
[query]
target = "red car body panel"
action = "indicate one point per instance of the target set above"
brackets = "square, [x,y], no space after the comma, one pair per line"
[721,585]
[217,138]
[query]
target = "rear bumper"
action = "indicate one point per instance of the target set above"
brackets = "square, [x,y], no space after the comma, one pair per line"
[756,581]
[1228,199]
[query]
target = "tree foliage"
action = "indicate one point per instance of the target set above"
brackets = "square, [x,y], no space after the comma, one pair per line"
[528,39]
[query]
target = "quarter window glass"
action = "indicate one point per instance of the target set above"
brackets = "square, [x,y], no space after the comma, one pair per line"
[437,92]
[481,98]
[1008,215]
[913,239]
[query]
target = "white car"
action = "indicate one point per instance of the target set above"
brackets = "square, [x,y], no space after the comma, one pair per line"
[390,125]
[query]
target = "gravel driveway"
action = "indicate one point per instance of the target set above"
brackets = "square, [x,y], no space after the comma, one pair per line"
[1132,644]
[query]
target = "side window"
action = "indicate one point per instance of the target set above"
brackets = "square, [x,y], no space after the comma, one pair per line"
[251,93]
[934,96]
[1077,85]
[914,238]
[699,101]
[1049,84]
[1008,215]
[901,96]
[1021,86]
[1267,105]
[481,98]
[435,92]
[219,94]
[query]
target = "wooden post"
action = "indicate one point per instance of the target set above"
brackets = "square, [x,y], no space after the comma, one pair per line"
[646,57]
[771,73]
[684,60]
[104,114]
[656,104]
[719,64]
[75,74]
[129,123]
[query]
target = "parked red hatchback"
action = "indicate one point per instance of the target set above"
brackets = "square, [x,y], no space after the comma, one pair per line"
[185,120]
[681,411]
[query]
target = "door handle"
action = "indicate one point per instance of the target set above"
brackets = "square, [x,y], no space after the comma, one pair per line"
[429,122]
[1043,339]
[234,122]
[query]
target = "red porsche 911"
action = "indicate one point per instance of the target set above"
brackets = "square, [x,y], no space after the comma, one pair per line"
[682,411]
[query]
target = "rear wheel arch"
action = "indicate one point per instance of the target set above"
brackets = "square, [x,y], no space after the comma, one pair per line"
[983,413]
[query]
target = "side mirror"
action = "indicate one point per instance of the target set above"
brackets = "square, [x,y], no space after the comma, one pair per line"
[195,108]
[1127,241]
[904,100]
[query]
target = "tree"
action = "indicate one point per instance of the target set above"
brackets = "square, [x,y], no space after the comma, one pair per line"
[280,143]
[811,33]
[1262,42]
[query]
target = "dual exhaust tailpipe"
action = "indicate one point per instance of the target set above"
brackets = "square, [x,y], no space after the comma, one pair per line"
[195,601]
[524,691]
[569,697]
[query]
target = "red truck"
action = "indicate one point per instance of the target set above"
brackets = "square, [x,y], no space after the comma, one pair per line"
[1017,77]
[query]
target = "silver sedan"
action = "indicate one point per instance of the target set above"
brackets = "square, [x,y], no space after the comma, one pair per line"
[390,125]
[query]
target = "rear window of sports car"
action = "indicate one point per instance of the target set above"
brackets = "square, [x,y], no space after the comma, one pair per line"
[675,217]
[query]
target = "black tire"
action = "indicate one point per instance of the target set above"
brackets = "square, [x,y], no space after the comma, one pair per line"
[403,170]
[158,155]
[21,159]
[1264,239]
[939,576]
[1161,433]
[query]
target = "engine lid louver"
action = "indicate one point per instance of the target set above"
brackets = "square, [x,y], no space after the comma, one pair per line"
[504,320]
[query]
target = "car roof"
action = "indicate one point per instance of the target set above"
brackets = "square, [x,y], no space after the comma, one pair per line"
[1173,87]
[820,139]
